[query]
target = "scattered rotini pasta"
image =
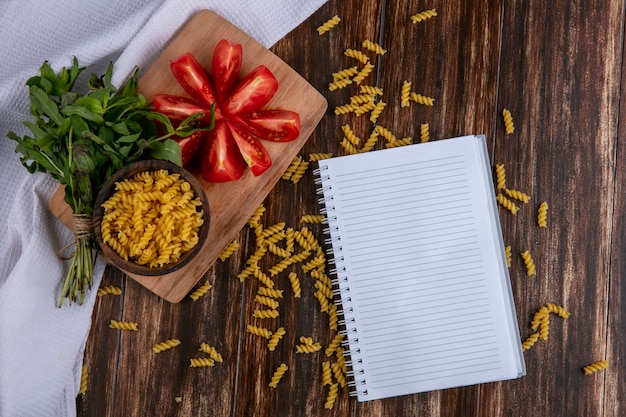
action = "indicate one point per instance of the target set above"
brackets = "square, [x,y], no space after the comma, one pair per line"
[258,213]
[346,108]
[508,121]
[507,254]
[365,71]
[542,215]
[500,177]
[421,16]
[334,344]
[385,133]
[544,327]
[271,292]
[278,374]
[327,376]
[201,362]
[595,367]
[332,396]
[530,341]
[229,250]
[530,264]
[399,142]
[328,25]
[168,344]
[348,147]
[276,337]
[558,310]
[424,132]
[518,195]
[371,141]
[364,108]
[152,218]
[308,348]
[420,99]
[333,320]
[358,55]
[124,325]
[339,84]
[312,218]
[338,373]
[84,376]
[200,291]
[506,203]
[109,290]
[319,156]
[345,73]
[405,94]
[362,99]
[299,172]
[377,110]
[212,352]
[350,136]
[266,301]
[265,314]
[374,47]
[538,317]
[371,90]
[259,331]
[295,285]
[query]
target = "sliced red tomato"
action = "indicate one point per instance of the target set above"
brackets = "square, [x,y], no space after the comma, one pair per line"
[193,78]
[221,159]
[253,152]
[226,64]
[252,93]
[191,145]
[274,125]
[179,108]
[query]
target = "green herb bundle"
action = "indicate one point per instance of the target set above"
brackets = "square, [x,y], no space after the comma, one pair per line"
[81,139]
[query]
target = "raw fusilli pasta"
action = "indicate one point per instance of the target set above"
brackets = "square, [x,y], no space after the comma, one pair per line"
[374,47]
[212,352]
[371,90]
[345,73]
[558,310]
[312,218]
[271,292]
[124,325]
[530,341]
[424,132]
[258,213]
[339,84]
[518,195]
[308,348]
[265,314]
[405,94]
[399,142]
[500,177]
[507,254]
[371,141]
[295,285]
[420,99]
[542,215]
[358,55]
[506,203]
[328,25]
[327,376]
[378,108]
[84,376]
[595,367]
[319,156]
[530,264]
[266,301]
[109,289]
[259,331]
[332,396]
[201,362]
[334,344]
[229,250]
[346,108]
[292,168]
[508,122]
[421,16]
[386,133]
[200,291]
[365,71]
[168,344]
[276,336]
[278,374]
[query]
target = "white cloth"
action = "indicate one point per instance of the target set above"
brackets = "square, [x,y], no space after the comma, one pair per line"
[42,346]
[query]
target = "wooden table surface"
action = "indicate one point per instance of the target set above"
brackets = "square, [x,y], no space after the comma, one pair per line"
[557,66]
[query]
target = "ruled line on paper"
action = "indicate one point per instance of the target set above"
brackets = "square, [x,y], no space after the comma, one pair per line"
[408,350]
[487,361]
[414,167]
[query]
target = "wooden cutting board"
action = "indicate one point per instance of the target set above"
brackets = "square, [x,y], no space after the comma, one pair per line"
[232,203]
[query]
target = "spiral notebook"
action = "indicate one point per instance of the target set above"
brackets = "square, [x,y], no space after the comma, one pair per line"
[420,268]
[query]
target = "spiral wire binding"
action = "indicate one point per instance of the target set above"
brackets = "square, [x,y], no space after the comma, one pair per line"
[340,282]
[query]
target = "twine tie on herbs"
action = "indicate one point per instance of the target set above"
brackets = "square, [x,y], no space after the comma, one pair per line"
[83,229]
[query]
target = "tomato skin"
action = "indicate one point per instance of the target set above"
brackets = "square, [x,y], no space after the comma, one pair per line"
[253,92]
[225,67]
[179,108]
[193,78]
[221,159]
[190,146]
[253,152]
[272,125]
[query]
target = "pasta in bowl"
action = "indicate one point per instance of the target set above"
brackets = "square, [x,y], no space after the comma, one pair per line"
[151,218]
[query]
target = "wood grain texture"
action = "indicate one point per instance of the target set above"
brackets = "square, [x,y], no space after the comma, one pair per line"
[558,68]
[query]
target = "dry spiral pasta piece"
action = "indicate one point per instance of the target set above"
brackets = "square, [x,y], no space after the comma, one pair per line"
[323,300]
[371,141]
[317,156]
[518,195]
[530,264]
[339,84]
[358,55]
[327,375]
[378,108]
[348,147]
[84,376]
[333,320]
[265,314]
[200,291]
[291,168]
[424,132]
[201,362]
[364,108]
[109,290]
[421,16]
[542,215]
[374,47]
[229,250]
[558,310]
[507,254]
[506,203]
[544,327]
[595,367]
[346,108]
[278,374]
[371,90]
[508,121]
[312,218]
[334,344]
[308,348]
[266,301]
[405,94]
[259,331]
[328,25]
[538,317]
[530,341]
[332,396]
[256,216]
[165,345]
[362,98]
[399,142]
[212,352]
[276,337]
[338,373]
[271,292]
[420,99]
[299,172]
[386,133]
[124,325]
[295,285]
[345,73]
[500,177]
[365,71]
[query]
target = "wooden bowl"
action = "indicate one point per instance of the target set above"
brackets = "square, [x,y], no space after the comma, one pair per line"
[108,190]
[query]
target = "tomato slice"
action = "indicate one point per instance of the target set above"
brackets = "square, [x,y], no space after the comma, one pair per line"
[253,152]
[252,93]
[192,77]
[221,160]
[274,125]
[179,108]
[190,146]
[227,57]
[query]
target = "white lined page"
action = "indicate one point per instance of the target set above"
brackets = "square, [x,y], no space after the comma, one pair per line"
[418,237]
